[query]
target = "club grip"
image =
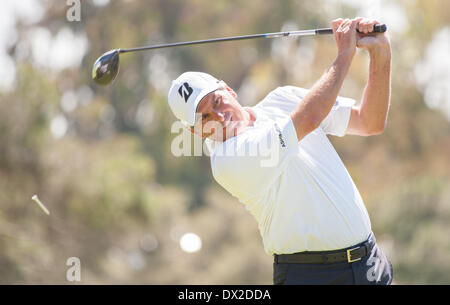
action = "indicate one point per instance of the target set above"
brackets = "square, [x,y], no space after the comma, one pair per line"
[324,31]
[377,28]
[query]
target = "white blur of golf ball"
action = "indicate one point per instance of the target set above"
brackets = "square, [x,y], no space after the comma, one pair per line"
[190,243]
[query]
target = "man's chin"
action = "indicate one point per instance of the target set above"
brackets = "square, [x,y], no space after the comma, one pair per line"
[227,133]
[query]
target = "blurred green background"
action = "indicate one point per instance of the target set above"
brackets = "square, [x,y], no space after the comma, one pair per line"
[100,157]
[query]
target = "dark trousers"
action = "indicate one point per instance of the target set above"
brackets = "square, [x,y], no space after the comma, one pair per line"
[373,269]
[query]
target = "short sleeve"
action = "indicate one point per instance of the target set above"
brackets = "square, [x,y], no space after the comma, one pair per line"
[336,122]
[246,165]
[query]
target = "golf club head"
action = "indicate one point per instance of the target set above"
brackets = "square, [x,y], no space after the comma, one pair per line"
[106,68]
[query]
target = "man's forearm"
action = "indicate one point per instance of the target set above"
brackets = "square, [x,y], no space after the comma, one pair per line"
[316,105]
[376,98]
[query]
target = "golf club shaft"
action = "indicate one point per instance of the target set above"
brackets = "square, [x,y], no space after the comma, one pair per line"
[380,28]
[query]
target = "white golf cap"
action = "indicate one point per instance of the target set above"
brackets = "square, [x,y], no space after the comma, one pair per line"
[186,93]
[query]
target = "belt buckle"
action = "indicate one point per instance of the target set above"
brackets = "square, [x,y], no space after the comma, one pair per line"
[349,256]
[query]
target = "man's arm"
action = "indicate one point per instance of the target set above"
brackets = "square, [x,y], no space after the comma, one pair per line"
[316,105]
[370,117]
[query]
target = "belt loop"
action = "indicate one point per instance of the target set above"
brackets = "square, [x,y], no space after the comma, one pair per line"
[276,259]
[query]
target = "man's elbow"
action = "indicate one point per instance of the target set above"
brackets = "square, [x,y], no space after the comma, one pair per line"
[376,129]
[375,132]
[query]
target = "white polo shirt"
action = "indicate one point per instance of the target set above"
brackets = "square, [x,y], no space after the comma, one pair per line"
[300,192]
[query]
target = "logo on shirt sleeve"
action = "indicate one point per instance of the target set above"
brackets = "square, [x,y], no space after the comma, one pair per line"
[280,135]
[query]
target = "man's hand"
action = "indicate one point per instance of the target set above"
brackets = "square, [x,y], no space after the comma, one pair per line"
[345,35]
[372,42]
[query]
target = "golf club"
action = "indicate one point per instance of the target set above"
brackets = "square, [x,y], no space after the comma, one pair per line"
[106,67]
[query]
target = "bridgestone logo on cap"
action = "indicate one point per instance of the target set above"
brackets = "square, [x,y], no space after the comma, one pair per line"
[186,93]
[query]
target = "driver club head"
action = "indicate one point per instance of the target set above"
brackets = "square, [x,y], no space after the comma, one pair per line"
[106,68]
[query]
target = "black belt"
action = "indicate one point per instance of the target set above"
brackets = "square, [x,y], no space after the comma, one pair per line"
[349,255]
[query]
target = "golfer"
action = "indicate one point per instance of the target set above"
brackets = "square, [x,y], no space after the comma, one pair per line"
[276,159]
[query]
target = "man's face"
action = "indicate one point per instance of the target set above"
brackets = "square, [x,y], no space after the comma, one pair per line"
[219,115]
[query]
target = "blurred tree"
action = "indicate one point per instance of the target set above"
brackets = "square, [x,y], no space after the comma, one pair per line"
[100,159]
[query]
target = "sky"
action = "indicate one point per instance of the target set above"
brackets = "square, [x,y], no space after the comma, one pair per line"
[56,52]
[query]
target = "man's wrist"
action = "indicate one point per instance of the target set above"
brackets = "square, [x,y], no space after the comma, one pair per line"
[382,51]
[344,60]
[380,55]
[346,55]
